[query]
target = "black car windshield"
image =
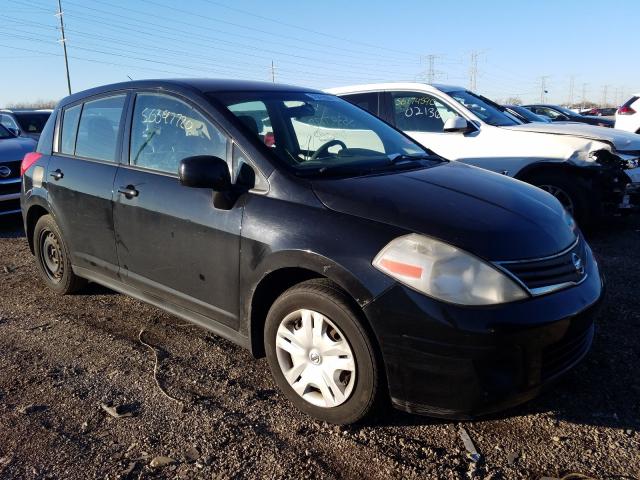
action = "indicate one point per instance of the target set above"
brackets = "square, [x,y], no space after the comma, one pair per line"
[32,122]
[4,133]
[566,111]
[317,133]
[528,114]
[486,110]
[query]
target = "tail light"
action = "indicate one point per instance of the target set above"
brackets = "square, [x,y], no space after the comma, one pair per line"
[269,139]
[28,160]
[626,110]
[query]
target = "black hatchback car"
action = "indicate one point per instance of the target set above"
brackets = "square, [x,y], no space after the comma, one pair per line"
[302,227]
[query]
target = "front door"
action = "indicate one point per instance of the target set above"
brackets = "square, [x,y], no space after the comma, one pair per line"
[171,240]
[80,179]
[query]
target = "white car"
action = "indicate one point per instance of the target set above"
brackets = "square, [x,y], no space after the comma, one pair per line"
[589,169]
[628,115]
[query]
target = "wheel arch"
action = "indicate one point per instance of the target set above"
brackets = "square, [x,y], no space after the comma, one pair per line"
[286,270]
[537,168]
[34,213]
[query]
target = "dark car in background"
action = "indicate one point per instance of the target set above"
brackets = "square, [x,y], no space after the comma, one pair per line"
[25,122]
[304,228]
[525,115]
[600,112]
[558,113]
[13,148]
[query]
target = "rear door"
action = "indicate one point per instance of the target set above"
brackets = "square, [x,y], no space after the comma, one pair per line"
[171,240]
[80,178]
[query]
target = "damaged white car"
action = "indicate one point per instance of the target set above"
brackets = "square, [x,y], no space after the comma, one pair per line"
[591,170]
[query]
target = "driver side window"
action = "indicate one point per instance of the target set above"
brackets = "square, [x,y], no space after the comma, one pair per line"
[420,112]
[165,130]
[547,112]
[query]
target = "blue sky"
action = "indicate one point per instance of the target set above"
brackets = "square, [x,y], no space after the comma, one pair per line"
[324,43]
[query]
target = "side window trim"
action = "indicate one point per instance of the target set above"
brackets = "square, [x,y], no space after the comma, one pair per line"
[81,103]
[231,140]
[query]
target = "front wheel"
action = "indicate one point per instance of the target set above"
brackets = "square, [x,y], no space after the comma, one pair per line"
[320,355]
[569,192]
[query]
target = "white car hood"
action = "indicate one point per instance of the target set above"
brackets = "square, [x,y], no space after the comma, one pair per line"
[619,139]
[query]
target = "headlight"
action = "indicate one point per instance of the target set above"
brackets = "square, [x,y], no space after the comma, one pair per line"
[445,272]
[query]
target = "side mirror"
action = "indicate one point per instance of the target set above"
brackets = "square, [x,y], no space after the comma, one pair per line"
[456,125]
[205,171]
[561,118]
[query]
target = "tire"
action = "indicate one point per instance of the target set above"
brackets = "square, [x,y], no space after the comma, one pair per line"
[52,258]
[346,355]
[569,191]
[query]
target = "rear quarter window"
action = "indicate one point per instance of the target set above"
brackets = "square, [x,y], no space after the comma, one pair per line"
[70,119]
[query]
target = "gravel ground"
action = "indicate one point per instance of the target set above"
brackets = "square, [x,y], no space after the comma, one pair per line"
[65,360]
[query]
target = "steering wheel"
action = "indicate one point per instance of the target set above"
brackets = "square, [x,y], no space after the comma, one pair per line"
[324,148]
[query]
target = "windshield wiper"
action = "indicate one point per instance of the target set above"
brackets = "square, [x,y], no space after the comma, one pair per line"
[404,157]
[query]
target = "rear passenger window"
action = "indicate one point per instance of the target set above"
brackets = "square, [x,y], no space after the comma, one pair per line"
[69,129]
[368,101]
[99,127]
[166,130]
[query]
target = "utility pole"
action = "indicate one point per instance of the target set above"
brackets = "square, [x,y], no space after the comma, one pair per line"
[543,88]
[63,40]
[473,71]
[431,73]
[571,87]
[605,90]
[273,72]
[584,95]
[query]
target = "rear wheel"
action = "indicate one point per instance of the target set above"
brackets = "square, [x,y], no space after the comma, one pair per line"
[52,258]
[568,191]
[320,355]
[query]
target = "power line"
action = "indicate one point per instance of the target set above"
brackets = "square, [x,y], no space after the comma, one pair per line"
[307,30]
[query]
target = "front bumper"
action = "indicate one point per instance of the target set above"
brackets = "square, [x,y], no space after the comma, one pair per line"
[458,362]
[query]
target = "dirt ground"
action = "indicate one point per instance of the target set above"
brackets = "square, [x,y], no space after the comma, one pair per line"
[64,361]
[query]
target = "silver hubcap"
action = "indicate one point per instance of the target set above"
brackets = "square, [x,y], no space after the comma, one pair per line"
[315,358]
[562,196]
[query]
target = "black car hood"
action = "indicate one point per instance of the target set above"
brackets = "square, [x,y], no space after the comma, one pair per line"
[490,215]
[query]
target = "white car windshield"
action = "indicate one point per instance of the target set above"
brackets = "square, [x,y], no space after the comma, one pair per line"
[486,110]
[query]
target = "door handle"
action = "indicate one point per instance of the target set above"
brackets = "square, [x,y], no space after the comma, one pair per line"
[129,191]
[57,174]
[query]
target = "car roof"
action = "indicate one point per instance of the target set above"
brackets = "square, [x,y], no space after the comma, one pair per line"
[200,85]
[26,110]
[375,87]
[548,105]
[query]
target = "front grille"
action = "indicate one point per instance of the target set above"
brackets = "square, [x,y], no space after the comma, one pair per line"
[536,274]
[9,205]
[561,355]
[9,188]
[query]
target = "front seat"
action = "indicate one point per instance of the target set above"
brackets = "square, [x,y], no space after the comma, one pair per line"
[101,140]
